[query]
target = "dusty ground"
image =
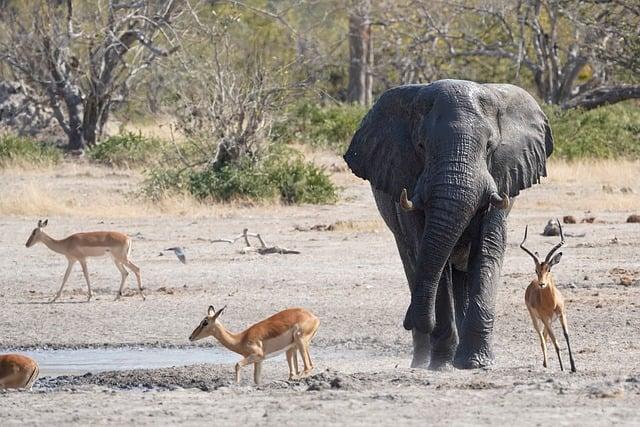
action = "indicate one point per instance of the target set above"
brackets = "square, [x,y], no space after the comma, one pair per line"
[350,277]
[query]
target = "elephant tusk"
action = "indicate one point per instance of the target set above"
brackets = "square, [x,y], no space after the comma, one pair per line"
[501,202]
[405,203]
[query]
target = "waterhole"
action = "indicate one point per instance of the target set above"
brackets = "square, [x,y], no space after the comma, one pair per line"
[55,363]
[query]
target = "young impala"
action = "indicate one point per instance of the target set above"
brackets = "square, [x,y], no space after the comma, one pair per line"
[544,301]
[80,246]
[17,371]
[288,331]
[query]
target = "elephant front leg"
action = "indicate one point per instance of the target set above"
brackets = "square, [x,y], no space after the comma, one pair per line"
[444,337]
[487,252]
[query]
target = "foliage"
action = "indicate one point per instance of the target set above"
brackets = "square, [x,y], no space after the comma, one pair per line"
[127,150]
[605,132]
[23,150]
[321,126]
[280,174]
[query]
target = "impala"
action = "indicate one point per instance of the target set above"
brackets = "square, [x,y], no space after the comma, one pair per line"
[288,331]
[544,301]
[17,371]
[80,246]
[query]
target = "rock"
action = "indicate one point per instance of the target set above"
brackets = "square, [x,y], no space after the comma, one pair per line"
[635,218]
[626,280]
[626,190]
[569,219]
[588,219]
[607,188]
[552,228]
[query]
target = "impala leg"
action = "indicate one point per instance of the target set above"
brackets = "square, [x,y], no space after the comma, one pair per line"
[302,348]
[292,361]
[64,280]
[547,325]
[257,371]
[543,340]
[306,347]
[85,271]
[124,273]
[563,322]
[247,361]
[136,271]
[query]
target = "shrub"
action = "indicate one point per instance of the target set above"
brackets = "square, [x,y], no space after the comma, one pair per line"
[127,150]
[607,132]
[23,150]
[161,182]
[321,126]
[281,174]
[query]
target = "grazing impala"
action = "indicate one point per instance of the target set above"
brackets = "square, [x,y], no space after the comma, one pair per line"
[544,301]
[17,371]
[288,331]
[80,246]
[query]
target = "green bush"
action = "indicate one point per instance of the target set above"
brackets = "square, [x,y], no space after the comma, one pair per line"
[127,150]
[23,150]
[321,126]
[281,174]
[607,132]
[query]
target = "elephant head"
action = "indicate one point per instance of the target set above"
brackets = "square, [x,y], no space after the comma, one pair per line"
[459,148]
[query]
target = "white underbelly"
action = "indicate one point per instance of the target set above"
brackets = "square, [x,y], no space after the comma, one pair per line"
[276,345]
[95,250]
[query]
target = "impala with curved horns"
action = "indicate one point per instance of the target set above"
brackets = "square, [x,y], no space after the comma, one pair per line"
[544,301]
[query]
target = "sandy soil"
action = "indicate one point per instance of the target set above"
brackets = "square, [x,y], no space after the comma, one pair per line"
[350,277]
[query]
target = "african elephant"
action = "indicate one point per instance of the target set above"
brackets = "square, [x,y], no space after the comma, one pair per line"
[463,150]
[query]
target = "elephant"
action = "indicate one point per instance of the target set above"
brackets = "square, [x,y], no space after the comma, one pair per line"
[463,151]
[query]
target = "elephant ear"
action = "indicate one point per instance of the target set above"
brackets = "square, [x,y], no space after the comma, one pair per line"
[524,141]
[382,150]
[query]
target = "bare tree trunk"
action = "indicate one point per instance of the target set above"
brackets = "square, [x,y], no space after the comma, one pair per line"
[603,96]
[360,54]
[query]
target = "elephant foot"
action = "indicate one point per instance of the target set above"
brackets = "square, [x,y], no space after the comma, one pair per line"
[440,365]
[473,359]
[442,360]
[421,350]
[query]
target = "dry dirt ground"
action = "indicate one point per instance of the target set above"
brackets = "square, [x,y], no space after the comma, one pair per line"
[350,277]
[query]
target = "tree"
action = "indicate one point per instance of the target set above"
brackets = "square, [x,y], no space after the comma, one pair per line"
[82,63]
[360,53]
[575,60]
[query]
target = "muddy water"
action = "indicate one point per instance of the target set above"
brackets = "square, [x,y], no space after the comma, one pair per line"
[81,361]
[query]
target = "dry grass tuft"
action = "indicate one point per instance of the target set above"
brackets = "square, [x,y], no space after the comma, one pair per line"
[587,185]
[364,226]
[621,173]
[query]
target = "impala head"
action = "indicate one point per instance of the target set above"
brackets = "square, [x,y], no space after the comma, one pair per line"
[36,234]
[208,324]
[543,268]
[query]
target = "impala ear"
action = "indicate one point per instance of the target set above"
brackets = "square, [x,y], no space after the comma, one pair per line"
[555,259]
[219,312]
[211,311]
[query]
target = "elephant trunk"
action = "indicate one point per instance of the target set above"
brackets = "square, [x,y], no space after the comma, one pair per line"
[454,197]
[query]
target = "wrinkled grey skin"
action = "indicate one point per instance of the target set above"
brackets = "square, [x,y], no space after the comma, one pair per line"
[452,144]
